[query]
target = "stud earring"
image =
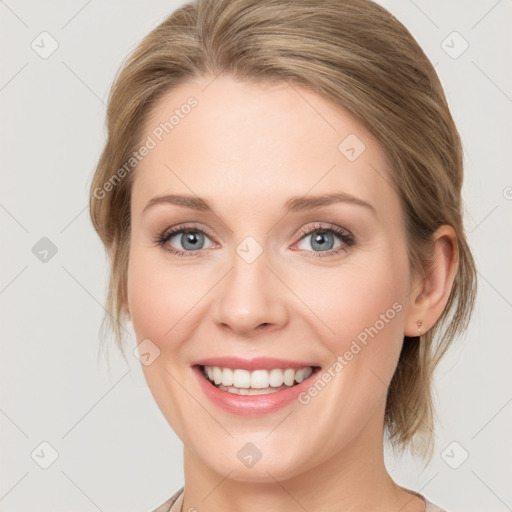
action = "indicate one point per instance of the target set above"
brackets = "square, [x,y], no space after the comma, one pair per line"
[419,323]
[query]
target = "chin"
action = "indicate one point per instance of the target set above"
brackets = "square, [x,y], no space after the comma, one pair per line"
[256,461]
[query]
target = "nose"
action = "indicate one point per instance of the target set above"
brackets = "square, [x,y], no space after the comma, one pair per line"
[250,298]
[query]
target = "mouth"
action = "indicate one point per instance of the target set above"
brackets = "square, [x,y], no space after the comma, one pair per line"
[240,381]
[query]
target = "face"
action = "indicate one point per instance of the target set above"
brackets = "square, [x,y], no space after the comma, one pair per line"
[255,265]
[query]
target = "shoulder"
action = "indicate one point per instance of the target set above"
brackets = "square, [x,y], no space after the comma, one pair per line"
[430,507]
[166,506]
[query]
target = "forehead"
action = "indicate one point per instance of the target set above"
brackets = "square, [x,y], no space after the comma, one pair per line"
[238,142]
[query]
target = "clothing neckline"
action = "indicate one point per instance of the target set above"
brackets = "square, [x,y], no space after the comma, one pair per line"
[177,498]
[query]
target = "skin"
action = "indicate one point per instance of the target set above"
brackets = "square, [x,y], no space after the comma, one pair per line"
[248,148]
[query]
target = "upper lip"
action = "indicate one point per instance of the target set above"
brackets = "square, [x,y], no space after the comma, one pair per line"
[257,363]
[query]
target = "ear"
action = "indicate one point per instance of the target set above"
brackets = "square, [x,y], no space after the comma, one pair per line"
[430,294]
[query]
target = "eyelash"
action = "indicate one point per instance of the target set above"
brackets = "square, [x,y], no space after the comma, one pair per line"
[346,237]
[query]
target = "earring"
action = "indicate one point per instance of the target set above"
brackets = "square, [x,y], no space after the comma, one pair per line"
[419,323]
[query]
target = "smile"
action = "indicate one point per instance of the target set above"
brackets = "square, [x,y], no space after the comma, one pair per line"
[257,382]
[253,387]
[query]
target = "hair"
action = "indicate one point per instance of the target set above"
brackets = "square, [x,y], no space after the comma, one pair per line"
[355,54]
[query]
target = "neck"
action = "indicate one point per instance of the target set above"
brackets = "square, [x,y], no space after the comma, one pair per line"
[353,479]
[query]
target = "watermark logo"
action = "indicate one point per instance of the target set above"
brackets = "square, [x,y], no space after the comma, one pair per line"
[44,455]
[146,352]
[351,147]
[44,250]
[249,249]
[455,455]
[44,45]
[454,45]
[249,454]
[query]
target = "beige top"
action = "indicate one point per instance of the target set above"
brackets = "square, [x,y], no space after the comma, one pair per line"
[173,504]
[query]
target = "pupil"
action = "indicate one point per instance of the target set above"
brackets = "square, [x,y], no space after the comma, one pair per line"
[191,240]
[320,238]
[323,240]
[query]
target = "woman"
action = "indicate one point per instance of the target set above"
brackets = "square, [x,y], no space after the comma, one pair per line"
[280,197]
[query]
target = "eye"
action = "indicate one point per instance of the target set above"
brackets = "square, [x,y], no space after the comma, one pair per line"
[186,240]
[190,238]
[321,239]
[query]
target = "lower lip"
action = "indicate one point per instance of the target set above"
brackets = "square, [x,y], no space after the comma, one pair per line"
[250,405]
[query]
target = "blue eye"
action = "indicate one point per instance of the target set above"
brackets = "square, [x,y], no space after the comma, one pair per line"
[324,238]
[193,239]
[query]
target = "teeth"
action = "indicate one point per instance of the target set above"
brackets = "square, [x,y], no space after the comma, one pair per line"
[289,376]
[244,382]
[217,375]
[299,375]
[227,377]
[250,391]
[241,378]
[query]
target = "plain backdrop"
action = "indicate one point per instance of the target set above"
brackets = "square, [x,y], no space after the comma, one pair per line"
[112,447]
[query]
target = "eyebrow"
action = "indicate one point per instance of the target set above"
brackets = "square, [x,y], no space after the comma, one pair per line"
[294,204]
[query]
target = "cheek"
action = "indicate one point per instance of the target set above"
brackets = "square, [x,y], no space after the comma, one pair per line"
[157,297]
[360,306]
[164,297]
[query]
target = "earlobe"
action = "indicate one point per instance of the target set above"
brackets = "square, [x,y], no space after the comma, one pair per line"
[429,304]
[419,323]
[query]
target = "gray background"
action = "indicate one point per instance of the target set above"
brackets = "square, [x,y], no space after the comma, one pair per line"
[115,449]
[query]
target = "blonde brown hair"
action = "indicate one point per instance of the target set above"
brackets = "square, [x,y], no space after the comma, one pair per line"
[354,53]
